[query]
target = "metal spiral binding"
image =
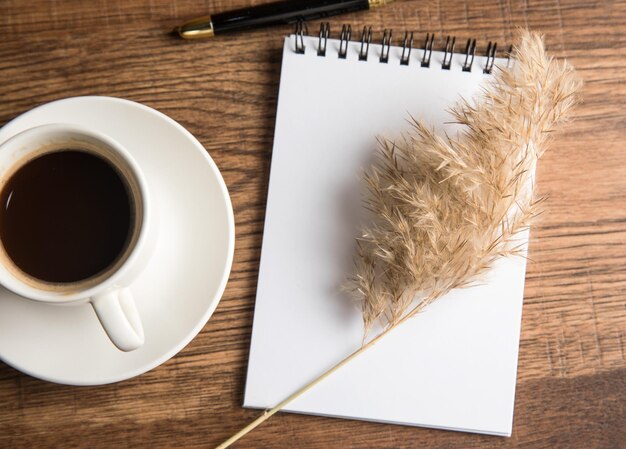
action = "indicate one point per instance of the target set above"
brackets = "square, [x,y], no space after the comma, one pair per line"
[324,32]
[491,57]
[343,43]
[366,38]
[384,52]
[509,52]
[408,43]
[407,46]
[301,30]
[428,49]
[447,60]
[470,51]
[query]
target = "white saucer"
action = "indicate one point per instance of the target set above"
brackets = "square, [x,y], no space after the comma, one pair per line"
[182,285]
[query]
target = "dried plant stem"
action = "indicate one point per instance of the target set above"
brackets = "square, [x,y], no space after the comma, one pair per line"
[269,412]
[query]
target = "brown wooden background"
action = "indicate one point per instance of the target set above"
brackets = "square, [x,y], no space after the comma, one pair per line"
[572,368]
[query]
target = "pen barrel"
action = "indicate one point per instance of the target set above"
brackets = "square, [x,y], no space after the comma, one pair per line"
[282,13]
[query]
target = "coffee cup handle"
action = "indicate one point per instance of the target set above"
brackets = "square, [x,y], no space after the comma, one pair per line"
[118,315]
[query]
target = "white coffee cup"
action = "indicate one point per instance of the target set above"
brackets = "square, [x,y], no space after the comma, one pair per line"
[108,291]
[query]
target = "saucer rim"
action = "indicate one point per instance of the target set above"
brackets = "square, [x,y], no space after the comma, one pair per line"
[215,299]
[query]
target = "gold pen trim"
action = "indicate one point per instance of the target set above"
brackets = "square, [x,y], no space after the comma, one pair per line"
[197,28]
[378,3]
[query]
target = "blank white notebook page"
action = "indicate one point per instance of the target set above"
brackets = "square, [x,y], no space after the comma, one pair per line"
[451,367]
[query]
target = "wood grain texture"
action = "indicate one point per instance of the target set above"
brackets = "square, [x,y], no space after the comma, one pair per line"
[572,365]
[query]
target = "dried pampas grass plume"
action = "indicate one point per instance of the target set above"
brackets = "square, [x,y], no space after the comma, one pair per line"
[447,208]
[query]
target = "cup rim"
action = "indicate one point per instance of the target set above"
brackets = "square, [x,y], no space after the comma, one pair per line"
[9,281]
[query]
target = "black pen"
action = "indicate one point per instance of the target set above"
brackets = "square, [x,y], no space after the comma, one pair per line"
[290,11]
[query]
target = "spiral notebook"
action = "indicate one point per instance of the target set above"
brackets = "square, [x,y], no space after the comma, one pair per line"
[451,367]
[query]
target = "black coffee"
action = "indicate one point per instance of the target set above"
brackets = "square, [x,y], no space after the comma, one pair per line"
[65,216]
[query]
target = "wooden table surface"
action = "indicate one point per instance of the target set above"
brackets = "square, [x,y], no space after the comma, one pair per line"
[571,389]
